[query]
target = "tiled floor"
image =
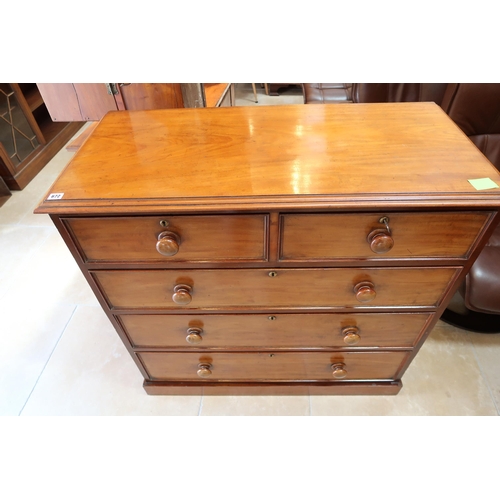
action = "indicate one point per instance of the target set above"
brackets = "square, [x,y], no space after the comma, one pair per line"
[60,355]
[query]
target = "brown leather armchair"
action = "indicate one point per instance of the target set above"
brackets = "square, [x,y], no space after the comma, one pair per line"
[475,108]
[398,92]
[324,93]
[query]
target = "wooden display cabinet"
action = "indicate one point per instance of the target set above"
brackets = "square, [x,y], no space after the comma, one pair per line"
[29,139]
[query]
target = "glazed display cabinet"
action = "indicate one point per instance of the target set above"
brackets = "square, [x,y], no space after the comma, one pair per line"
[29,139]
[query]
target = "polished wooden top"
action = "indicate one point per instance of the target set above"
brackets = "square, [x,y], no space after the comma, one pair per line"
[344,155]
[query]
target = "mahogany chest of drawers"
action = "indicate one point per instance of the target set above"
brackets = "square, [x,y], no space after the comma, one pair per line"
[275,250]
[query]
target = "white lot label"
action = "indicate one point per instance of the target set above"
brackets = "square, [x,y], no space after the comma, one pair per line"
[55,196]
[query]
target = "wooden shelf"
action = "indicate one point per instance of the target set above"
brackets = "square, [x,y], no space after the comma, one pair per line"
[33,98]
[49,128]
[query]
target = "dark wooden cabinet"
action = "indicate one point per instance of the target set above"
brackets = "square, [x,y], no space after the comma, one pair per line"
[275,250]
[29,139]
[5,193]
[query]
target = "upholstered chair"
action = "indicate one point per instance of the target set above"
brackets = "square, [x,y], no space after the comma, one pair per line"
[475,108]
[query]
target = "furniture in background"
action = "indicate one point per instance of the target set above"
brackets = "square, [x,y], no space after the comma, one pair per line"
[254,92]
[327,92]
[91,101]
[311,257]
[398,92]
[5,193]
[29,139]
[254,89]
[217,95]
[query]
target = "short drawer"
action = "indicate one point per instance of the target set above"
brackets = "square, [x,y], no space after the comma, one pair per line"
[203,238]
[282,366]
[268,331]
[281,288]
[401,235]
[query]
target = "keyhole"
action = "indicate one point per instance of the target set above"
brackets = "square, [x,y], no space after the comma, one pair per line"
[273,274]
[164,223]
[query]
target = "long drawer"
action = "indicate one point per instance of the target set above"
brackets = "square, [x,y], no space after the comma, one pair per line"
[203,238]
[282,288]
[283,366]
[411,235]
[267,331]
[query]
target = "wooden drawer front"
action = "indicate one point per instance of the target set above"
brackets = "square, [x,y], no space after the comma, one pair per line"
[273,366]
[344,236]
[275,330]
[290,288]
[201,238]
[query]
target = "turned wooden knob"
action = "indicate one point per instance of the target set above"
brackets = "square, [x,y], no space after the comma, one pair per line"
[168,243]
[365,291]
[194,335]
[182,295]
[204,370]
[339,371]
[351,335]
[380,241]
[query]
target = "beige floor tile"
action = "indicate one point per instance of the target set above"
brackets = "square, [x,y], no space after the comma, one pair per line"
[39,187]
[51,275]
[255,406]
[444,379]
[20,206]
[28,335]
[23,202]
[91,373]
[487,348]
[16,207]
[17,246]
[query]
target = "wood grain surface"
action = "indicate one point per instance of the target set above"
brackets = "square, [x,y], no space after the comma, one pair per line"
[278,331]
[290,288]
[231,155]
[328,236]
[202,238]
[272,366]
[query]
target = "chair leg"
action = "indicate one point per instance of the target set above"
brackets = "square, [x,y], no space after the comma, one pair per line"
[254,92]
[266,87]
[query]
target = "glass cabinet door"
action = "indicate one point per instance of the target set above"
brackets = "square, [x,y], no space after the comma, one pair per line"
[16,136]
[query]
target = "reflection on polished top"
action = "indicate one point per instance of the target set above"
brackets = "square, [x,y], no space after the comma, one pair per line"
[212,156]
